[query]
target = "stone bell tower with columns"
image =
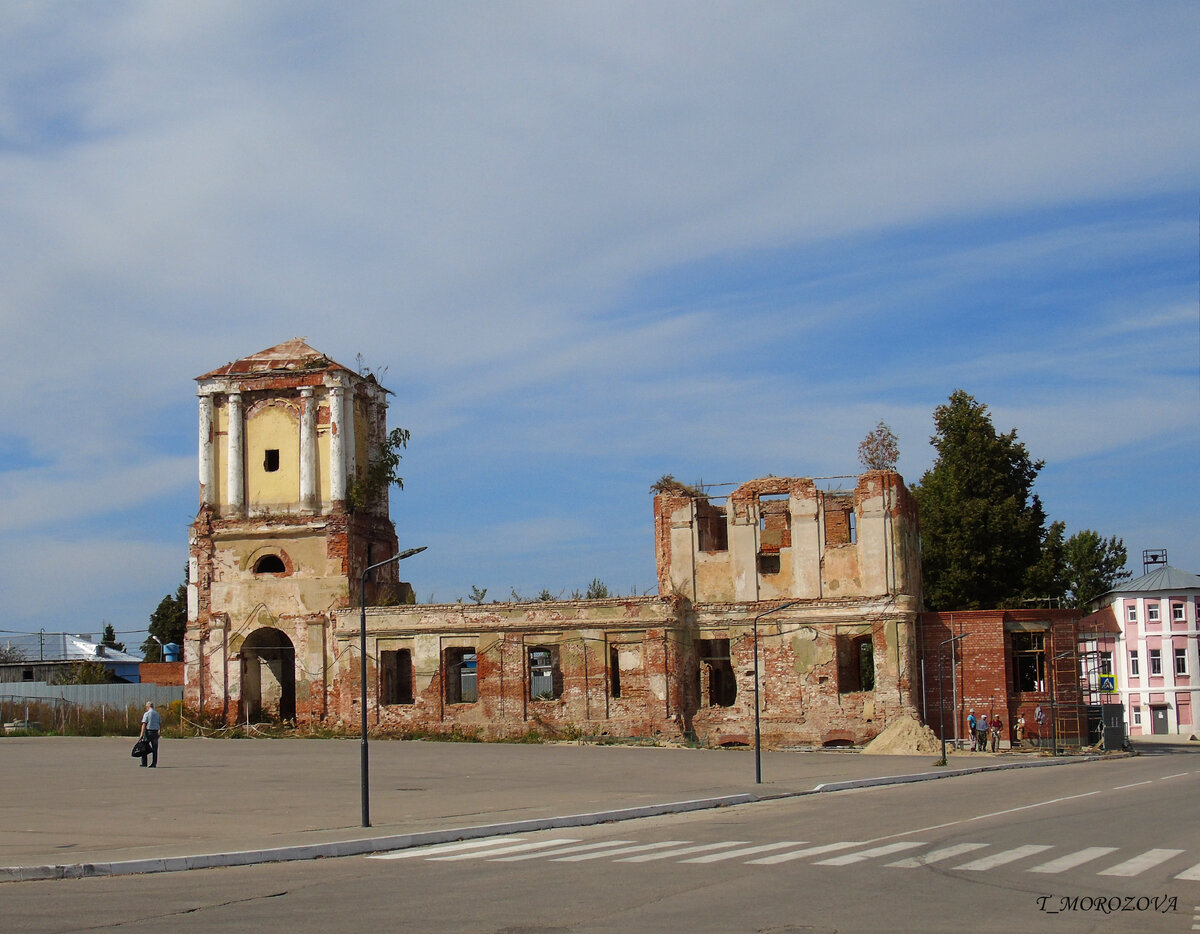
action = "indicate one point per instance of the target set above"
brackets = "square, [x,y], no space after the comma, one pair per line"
[287,523]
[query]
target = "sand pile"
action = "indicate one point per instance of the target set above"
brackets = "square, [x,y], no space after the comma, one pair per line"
[906,736]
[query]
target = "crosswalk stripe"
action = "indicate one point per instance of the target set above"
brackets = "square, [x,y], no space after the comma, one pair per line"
[516,848]
[563,851]
[800,854]
[1139,864]
[629,849]
[936,856]
[745,851]
[1063,863]
[1000,859]
[443,848]
[1192,875]
[668,854]
[862,855]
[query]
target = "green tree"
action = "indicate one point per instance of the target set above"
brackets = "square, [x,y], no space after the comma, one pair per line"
[380,472]
[110,638]
[597,590]
[168,622]
[478,594]
[1092,566]
[982,526]
[85,673]
[879,450]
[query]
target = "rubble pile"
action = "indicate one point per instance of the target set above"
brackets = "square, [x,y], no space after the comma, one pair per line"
[906,736]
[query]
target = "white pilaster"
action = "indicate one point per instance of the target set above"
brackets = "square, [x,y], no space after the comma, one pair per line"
[351,449]
[237,456]
[308,449]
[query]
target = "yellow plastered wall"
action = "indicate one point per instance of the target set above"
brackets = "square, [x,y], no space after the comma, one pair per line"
[274,427]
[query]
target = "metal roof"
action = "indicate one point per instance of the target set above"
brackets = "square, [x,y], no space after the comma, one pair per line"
[1160,580]
[63,647]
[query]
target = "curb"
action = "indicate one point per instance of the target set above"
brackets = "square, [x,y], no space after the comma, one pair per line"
[362,847]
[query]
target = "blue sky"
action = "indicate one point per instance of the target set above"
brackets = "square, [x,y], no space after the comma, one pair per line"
[591,244]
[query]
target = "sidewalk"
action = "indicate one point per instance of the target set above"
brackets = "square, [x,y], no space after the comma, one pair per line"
[81,806]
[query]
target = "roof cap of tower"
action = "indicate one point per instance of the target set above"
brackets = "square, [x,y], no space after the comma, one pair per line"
[289,356]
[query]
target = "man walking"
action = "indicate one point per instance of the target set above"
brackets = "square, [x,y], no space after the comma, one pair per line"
[151,724]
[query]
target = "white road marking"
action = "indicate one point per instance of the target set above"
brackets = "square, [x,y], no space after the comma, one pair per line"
[936,856]
[746,851]
[1063,863]
[1191,875]
[800,854]
[885,850]
[581,848]
[686,851]
[1003,858]
[1134,785]
[516,848]
[1139,864]
[444,848]
[629,849]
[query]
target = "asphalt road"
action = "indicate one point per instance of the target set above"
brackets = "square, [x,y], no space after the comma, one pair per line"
[1026,850]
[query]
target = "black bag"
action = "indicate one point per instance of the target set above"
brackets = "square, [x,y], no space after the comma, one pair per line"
[141,748]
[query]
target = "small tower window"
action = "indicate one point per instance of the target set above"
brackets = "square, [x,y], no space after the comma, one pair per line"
[269,564]
[271,461]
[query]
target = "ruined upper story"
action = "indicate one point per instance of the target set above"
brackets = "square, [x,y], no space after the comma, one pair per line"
[783,538]
[287,431]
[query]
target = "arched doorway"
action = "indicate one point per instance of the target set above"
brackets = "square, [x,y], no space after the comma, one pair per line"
[268,677]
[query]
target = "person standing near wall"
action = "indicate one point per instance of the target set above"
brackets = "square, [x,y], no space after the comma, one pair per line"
[151,725]
[1039,715]
[982,723]
[972,729]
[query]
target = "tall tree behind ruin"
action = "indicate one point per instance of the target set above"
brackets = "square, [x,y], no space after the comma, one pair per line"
[168,622]
[982,526]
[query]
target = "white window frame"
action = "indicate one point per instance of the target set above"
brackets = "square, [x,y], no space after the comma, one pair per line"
[1137,716]
[1156,663]
[1181,666]
[1178,614]
[1134,665]
[1131,613]
[1152,614]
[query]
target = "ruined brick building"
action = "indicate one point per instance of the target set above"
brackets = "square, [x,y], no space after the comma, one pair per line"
[829,579]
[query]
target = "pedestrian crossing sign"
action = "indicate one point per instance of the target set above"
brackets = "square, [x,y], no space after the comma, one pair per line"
[1108,683]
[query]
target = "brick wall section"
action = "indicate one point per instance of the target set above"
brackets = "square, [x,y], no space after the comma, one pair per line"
[982,672]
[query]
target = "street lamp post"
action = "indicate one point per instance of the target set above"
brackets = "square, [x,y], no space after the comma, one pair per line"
[942,696]
[362,651]
[757,730]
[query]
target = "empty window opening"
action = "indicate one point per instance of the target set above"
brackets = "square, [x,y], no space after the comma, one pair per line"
[712,529]
[774,524]
[839,520]
[271,461]
[1156,661]
[768,564]
[462,686]
[614,671]
[1029,661]
[395,674]
[270,564]
[717,685]
[856,663]
[545,677]
[26,674]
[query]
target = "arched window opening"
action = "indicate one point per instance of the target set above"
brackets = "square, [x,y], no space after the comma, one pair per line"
[270,564]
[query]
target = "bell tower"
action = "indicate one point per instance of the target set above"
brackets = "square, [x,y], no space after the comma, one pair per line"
[287,521]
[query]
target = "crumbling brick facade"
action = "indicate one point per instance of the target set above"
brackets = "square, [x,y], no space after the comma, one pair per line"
[816,590]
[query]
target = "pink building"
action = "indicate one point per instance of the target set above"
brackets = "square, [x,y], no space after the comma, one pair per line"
[1146,636]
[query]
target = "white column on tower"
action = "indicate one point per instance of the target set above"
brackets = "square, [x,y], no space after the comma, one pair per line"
[308,448]
[208,476]
[337,443]
[237,456]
